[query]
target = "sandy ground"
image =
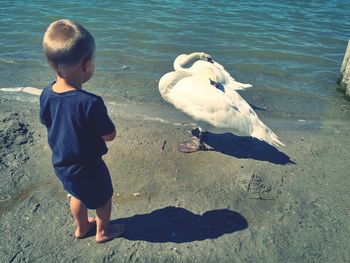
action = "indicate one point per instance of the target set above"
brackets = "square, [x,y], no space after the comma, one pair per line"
[243,201]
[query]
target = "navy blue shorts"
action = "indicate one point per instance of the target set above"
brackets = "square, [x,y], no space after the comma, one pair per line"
[93,187]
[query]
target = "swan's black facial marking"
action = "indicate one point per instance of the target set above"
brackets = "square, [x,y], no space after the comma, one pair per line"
[217,85]
[210,60]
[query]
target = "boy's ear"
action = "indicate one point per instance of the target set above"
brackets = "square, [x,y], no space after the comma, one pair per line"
[87,64]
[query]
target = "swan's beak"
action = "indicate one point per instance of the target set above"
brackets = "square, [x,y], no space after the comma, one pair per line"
[210,60]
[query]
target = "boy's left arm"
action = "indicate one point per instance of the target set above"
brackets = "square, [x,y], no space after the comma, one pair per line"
[41,111]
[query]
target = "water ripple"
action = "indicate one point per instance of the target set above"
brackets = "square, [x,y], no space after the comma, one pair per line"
[269,43]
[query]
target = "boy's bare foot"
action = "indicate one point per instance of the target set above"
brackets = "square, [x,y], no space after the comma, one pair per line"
[81,232]
[113,231]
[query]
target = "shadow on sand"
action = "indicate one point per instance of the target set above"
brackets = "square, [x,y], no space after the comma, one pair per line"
[178,225]
[244,147]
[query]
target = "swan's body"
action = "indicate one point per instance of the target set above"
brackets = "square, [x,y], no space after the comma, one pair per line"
[214,103]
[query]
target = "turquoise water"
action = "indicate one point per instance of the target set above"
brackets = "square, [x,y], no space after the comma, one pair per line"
[286,49]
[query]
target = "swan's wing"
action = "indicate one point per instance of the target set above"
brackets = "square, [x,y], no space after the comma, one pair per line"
[203,102]
[252,122]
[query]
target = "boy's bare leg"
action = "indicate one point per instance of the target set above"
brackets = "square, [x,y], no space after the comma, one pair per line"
[80,215]
[105,231]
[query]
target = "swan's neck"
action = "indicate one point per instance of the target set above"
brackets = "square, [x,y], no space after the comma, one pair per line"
[182,61]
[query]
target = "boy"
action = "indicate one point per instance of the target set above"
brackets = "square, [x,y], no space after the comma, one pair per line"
[78,126]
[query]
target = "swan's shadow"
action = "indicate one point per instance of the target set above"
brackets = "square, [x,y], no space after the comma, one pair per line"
[244,147]
[178,225]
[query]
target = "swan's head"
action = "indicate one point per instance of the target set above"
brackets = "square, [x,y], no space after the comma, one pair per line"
[206,57]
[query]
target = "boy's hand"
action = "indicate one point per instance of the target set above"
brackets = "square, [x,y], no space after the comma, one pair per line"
[109,137]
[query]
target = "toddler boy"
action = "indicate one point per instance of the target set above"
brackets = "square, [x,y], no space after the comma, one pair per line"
[78,126]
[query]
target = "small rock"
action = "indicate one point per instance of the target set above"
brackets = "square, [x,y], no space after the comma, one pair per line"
[36,208]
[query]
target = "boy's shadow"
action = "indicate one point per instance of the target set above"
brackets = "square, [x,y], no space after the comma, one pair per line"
[244,147]
[178,225]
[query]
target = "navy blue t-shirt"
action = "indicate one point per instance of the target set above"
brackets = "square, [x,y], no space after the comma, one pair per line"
[75,121]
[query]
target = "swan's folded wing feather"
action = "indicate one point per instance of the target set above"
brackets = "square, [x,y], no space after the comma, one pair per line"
[202,101]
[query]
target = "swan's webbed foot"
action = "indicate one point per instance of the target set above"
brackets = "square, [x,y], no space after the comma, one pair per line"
[191,146]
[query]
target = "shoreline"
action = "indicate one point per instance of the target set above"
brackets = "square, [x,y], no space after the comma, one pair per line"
[242,201]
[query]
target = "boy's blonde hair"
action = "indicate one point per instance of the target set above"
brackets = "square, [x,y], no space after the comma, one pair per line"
[67,43]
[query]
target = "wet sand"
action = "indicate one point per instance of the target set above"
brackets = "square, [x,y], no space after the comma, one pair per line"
[242,201]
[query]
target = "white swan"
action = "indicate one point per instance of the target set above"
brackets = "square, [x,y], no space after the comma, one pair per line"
[201,63]
[210,102]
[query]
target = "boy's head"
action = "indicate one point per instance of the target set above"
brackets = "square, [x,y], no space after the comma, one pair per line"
[67,43]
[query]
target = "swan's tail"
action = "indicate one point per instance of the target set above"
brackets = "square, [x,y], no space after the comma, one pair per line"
[264,133]
[30,90]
